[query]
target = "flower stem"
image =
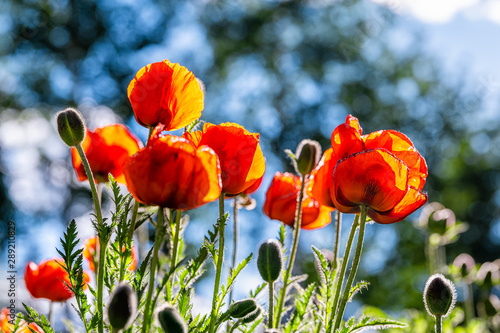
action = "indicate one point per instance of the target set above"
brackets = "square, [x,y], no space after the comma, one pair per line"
[338,228]
[354,267]
[235,246]
[220,259]
[50,311]
[271,305]
[173,260]
[439,324]
[160,233]
[296,233]
[103,239]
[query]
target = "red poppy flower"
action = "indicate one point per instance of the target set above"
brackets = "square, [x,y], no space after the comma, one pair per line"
[89,252]
[381,170]
[281,203]
[45,280]
[171,172]
[167,93]
[7,315]
[241,159]
[106,150]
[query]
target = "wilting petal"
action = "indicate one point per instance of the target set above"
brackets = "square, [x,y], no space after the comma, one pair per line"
[413,200]
[281,203]
[46,280]
[167,93]
[106,149]
[241,159]
[401,147]
[373,178]
[320,180]
[171,172]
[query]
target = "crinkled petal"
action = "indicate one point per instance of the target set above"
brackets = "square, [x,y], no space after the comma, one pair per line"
[374,178]
[413,200]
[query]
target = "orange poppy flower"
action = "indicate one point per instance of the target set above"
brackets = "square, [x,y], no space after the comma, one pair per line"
[171,172]
[45,280]
[167,93]
[8,318]
[381,170]
[89,252]
[106,149]
[281,203]
[241,159]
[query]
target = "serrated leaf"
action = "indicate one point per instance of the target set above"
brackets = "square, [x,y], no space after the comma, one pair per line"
[357,289]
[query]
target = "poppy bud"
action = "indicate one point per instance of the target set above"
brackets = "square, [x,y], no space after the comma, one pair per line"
[242,308]
[71,127]
[252,316]
[308,154]
[171,320]
[270,260]
[122,308]
[439,296]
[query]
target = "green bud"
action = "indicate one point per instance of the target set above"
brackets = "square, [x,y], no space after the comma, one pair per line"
[122,307]
[171,320]
[242,308]
[439,296]
[308,154]
[71,127]
[270,260]
[252,316]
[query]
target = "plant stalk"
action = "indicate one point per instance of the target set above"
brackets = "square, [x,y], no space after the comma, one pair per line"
[354,267]
[338,229]
[439,324]
[102,238]
[220,259]
[296,234]
[341,274]
[160,233]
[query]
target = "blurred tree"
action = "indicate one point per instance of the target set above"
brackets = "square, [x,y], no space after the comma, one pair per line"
[287,69]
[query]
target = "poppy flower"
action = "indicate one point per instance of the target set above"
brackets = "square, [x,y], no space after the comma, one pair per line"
[171,172]
[46,280]
[167,93]
[106,149]
[89,252]
[7,315]
[381,170]
[241,159]
[281,203]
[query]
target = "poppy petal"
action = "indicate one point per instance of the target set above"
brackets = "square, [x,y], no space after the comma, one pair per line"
[346,140]
[320,180]
[167,93]
[374,178]
[402,147]
[413,200]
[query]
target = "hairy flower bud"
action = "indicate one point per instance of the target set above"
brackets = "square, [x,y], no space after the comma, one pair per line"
[171,320]
[439,296]
[242,308]
[252,316]
[270,260]
[71,127]
[122,307]
[308,154]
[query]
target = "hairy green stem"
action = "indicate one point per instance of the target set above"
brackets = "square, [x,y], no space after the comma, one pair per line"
[220,259]
[439,324]
[102,238]
[296,234]
[235,246]
[341,274]
[354,267]
[271,305]
[160,233]
[338,229]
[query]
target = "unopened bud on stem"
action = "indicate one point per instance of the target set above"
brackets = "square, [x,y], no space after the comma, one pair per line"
[270,260]
[71,127]
[122,307]
[308,154]
[242,308]
[439,296]
[171,320]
